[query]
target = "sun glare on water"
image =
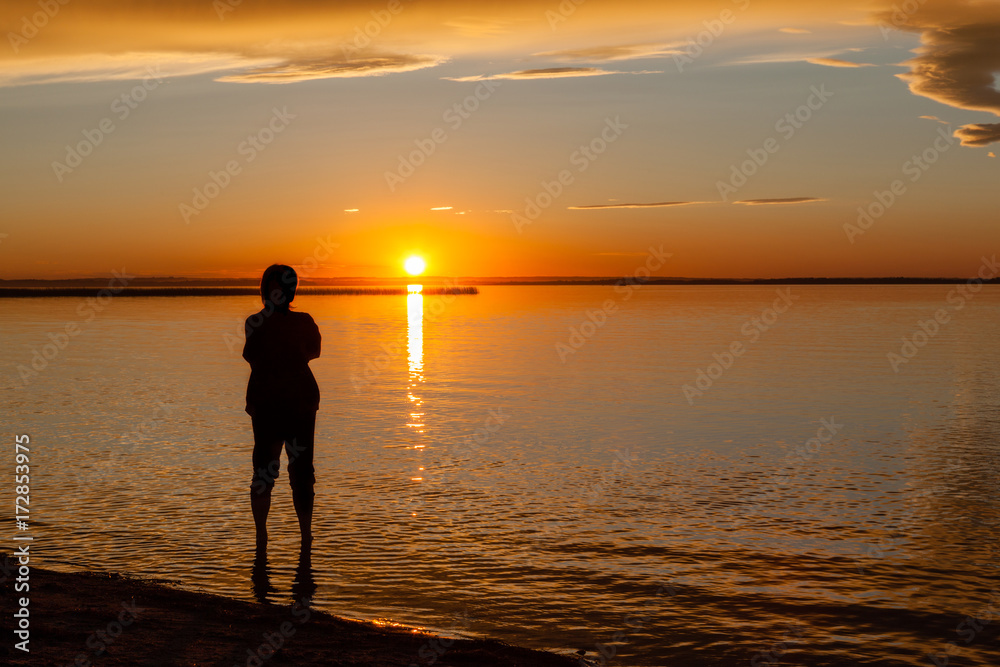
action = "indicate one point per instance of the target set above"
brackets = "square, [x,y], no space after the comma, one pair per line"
[414,265]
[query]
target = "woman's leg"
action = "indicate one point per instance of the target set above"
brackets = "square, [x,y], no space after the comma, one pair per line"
[260,505]
[301,473]
[266,460]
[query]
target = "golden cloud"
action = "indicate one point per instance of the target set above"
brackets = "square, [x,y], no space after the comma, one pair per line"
[957,61]
[979,134]
[784,200]
[610,53]
[278,31]
[836,62]
[652,205]
[547,73]
[290,72]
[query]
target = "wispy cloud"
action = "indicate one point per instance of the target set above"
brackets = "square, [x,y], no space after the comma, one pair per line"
[547,73]
[936,119]
[783,200]
[660,204]
[836,62]
[619,254]
[795,31]
[664,204]
[231,67]
[611,53]
[330,68]
[121,67]
[825,57]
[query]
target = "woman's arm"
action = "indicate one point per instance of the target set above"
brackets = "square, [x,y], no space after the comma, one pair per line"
[314,340]
[251,349]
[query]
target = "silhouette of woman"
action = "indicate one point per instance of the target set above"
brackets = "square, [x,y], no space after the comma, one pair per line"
[282,398]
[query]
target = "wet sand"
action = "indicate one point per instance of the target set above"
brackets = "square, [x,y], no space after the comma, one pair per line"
[108,619]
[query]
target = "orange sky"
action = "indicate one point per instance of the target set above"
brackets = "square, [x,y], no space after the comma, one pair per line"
[500,139]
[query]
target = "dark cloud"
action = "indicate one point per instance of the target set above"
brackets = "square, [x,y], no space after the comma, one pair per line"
[957,60]
[979,134]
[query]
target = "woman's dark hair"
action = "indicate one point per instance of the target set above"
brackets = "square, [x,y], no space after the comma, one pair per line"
[287,281]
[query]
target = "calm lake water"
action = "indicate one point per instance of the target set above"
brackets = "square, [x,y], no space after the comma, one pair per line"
[811,506]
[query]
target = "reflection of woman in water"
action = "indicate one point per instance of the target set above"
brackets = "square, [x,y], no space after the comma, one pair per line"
[282,398]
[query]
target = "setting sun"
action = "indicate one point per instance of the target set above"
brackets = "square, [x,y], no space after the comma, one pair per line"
[414,265]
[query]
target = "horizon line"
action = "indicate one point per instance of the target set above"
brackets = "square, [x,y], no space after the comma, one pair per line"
[327,282]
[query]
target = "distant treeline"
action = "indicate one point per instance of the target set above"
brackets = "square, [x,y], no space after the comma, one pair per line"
[223,291]
[638,280]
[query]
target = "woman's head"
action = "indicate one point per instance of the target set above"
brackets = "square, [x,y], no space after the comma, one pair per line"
[277,286]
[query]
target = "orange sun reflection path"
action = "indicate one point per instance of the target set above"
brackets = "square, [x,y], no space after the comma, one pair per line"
[415,362]
[415,353]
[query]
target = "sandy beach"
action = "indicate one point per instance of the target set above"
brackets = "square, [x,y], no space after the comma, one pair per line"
[109,619]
